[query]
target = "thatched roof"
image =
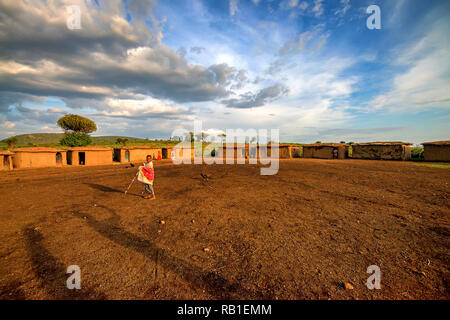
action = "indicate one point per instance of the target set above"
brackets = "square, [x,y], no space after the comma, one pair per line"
[384,143]
[437,143]
[325,145]
[138,147]
[37,150]
[89,149]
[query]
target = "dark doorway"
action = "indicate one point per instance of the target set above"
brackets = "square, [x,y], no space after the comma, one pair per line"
[6,162]
[164,153]
[58,159]
[81,158]
[69,157]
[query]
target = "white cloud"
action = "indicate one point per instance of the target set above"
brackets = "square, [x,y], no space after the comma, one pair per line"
[426,83]
[8,124]
[318,8]
[345,6]
[233,7]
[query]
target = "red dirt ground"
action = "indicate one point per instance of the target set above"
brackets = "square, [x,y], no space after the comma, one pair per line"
[301,234]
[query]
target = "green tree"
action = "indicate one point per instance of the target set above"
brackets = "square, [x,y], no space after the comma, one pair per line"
[11,142]
[190,137]
[76,123]
[122,141]
[76,128]
[76,140]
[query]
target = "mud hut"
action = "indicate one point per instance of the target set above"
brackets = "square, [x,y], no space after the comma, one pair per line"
[436,151]
[325,150]
[89,156]
[184,153]
[38,157]
[285,151]
[6,161]
[382,151]
[139,153]
[167,152]
[234,151]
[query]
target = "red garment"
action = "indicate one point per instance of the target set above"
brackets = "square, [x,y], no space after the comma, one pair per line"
[149,173]
[159,157]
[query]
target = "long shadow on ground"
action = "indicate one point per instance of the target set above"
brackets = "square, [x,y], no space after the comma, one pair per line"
[211,282]
[52,272]
[109,189]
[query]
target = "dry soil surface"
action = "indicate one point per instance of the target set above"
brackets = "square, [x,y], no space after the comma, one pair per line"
[301,234]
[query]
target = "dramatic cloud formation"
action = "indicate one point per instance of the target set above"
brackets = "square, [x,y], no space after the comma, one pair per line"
[250,100]
[308,67]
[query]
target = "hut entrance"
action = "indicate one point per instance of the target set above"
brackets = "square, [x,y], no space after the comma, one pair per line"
[6,161]
[164,153]
[253,151]
[127,156]
[81,158]
[58,159]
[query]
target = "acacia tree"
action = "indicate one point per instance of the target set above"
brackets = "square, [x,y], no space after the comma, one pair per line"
[122,141]
[10,142]
[77,129]
[76,123]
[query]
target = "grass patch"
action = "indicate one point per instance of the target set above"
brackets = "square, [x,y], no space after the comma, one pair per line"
[441,166]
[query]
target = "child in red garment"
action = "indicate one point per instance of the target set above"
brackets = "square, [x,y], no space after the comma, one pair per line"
[159,156]
[148,172]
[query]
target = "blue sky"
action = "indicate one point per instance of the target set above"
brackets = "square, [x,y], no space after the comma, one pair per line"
[309,68]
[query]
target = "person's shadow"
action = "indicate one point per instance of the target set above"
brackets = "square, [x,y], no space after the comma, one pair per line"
[209,281]
[108,189]
[52,272]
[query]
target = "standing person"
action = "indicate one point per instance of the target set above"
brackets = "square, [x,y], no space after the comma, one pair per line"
[146,176]
[335,153]
[159,156]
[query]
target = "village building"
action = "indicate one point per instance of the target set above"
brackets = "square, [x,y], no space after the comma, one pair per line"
[183,153]
[247,152]
[325,150]
[6,161]
[139,153]
[436,151]
[285,151]
[89,156]
[38,157]
[382,151]
[233,152]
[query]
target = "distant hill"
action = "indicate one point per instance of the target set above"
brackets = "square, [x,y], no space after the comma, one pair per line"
[39,139]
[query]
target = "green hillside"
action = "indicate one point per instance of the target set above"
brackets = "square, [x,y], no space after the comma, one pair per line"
[52,140]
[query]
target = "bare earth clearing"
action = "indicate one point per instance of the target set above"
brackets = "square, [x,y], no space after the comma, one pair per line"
[301,234]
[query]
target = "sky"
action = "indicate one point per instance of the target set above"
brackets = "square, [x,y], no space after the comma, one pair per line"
[311,68]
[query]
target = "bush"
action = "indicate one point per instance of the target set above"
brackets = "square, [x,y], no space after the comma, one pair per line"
[76,140]
[122,141]
[417,153]
[10,142]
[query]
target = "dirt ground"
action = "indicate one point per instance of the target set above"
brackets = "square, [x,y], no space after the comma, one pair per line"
[301,234]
